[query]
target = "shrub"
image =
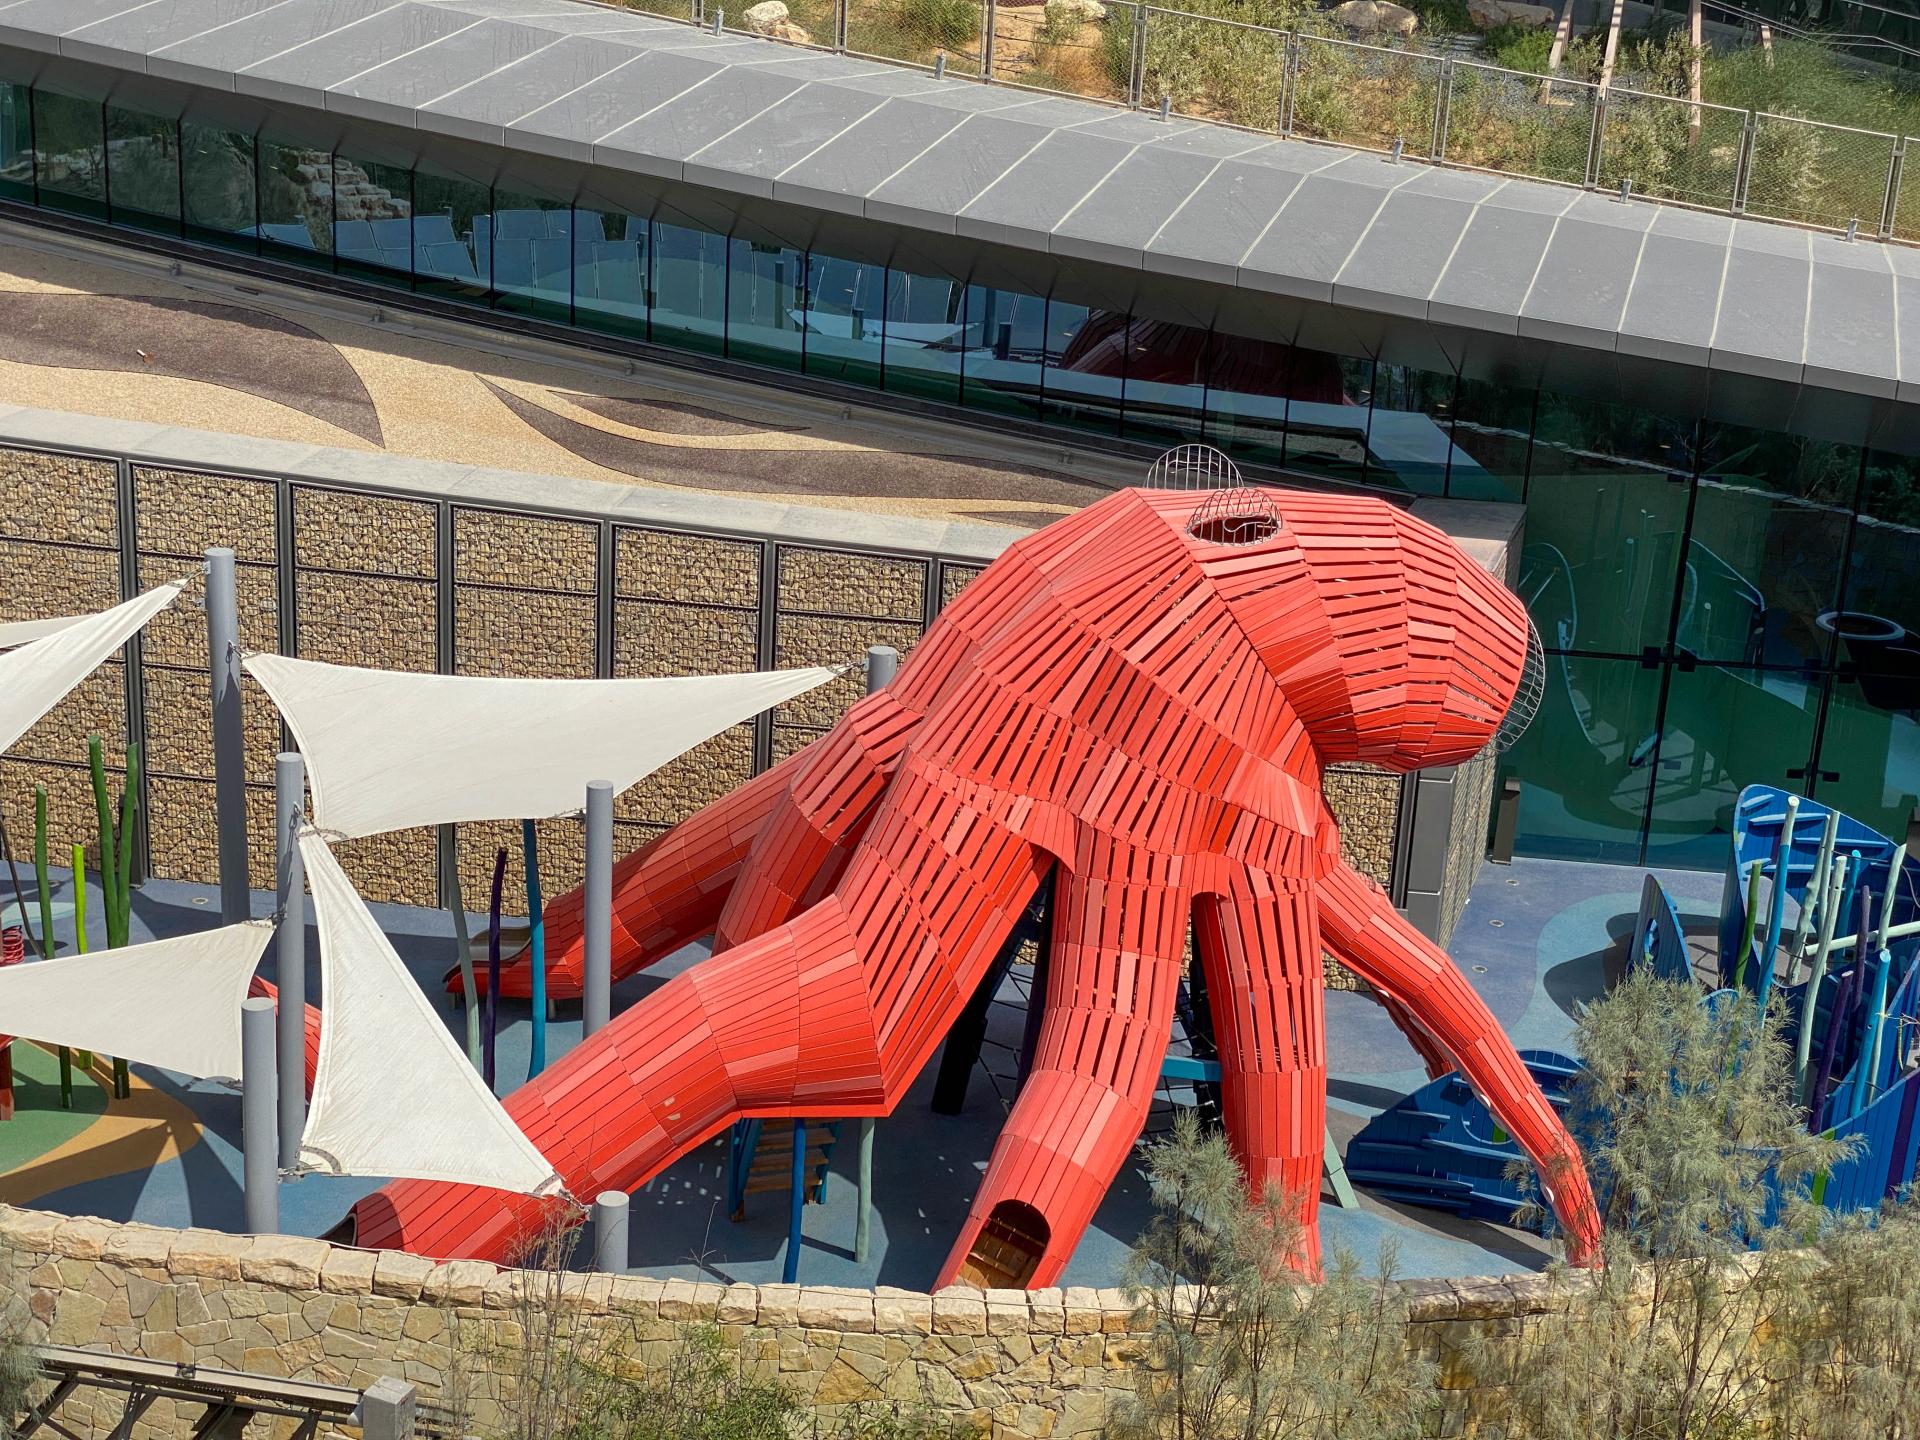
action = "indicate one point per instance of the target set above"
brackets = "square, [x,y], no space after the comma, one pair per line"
[18,1372]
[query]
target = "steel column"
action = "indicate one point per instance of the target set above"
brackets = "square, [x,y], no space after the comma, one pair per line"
[229,742]
[596,994]
[290,952]
[259,1154]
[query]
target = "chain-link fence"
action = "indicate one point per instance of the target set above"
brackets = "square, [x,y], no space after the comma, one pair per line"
[1366,96]
[1818,174]
[916,31]
[1518,123]
[1906,204]
[1670,149]
[1073,47]
[1212,69]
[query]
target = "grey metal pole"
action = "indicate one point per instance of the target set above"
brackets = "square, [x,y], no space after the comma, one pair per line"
[883,663]
[260,1155]
[596,989]
[290,951]
[229,742]
[611,1212]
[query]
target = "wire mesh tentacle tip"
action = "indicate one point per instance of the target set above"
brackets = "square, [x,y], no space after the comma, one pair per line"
[1193,467]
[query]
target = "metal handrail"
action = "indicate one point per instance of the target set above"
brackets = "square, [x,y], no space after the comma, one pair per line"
[1448,73]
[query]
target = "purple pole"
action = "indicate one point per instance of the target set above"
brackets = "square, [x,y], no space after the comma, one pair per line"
[1843,1002]
[492,1027]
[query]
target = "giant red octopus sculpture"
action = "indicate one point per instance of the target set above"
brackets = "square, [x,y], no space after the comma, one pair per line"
[1141,701]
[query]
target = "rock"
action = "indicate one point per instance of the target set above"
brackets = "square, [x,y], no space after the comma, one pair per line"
[1376,17]
[1490,14]
[766,17]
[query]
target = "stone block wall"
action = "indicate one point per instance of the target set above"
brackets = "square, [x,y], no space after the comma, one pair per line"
[1021,1365]
[424,576]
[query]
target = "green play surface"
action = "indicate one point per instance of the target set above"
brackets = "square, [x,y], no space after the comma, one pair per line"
[39,1124]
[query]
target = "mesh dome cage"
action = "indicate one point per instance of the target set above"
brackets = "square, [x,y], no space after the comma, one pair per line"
[1526,696]
[1193,467]
[1234,517]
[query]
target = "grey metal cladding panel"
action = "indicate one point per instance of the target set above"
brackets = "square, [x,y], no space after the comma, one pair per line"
[153,26]
[1220,221]
[1128,208]
[39,24]
[938,185]
[1037,193]
[658,142]
[532,82]
[325,62]
[794,128]
[1851,335]
[1492,268]
[467,58]
[1676,291]
[1397,261]
[247,42]
[1906,279]
[1580,289]
[873,149]
[571,124]
[1762,328]
[1214,142]
[1311,239]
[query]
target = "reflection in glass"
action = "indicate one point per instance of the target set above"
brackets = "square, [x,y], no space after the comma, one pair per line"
[1005,339]
[70,150]
[846,319]
[926,328]
[451,215]
[1492,433]
[1604,519]
[689,286]
[610,270]
[1724,729]
[373,227]
[1586,763]
[1410,434]
[217,182]
[16,142]
[1872,743]
[1086,362]
[529,245]
[296,202]
[1327,414]
[144,184]
[1770,525]
[1247,397]
[766,303]
[1166,386]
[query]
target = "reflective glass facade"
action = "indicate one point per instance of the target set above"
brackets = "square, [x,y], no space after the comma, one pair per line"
[1720,605]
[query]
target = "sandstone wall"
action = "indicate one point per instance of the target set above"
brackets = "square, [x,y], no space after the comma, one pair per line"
[1022,1365]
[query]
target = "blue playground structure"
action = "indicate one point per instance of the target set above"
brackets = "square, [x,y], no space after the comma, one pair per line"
[1821,916]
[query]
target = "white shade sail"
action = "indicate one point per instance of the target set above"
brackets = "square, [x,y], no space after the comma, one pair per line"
[393,1096]
[171,1003]
[389,750]
[37,676]
[19,632]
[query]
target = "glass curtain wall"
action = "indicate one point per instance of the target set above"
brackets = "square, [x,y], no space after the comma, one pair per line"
[1719,605]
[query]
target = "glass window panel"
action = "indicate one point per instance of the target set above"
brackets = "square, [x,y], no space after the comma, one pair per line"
[1725,728]
[143,153]
[1005,339]
[1410,434]
[219,179]
[1882,614]
[1492,433]
[1604,519]
[452,219]
[16,142]
[1166,386]
[1328,411]
[689,286]
[846,318]
[1872,742]
[926,329]
[531,243]
[296,202]
[373,222]
[610,270]
[1086,361]
[70,151]
[1770,526]
[1585,765]
[1247,397]
[766,303]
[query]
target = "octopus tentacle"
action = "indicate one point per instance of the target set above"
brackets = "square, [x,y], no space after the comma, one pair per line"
[1259,947]
[1111,983]
[1401,963]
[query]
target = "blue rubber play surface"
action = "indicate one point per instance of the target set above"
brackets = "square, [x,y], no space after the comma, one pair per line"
[1533,940]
